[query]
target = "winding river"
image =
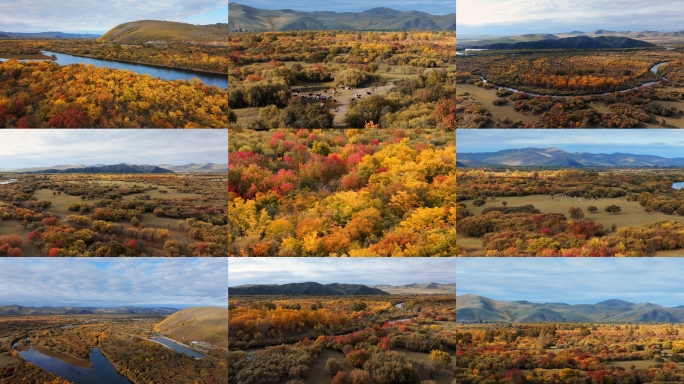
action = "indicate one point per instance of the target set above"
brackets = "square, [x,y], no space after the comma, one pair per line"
[102,372]
[654,69]
[678,185]
[165,73]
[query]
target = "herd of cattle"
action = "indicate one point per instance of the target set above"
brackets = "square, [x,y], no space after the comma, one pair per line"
[324,96]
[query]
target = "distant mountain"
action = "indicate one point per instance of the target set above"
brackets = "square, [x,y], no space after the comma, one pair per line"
[250,18]
[116,168]
[80,168]
[197,168]
[578,42]
[554,157]
[310,288]
[415,288]
[47,35]
[478,308]
[207,324]
[164,32]
[66,310]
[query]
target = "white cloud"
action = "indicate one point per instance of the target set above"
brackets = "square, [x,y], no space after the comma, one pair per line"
[114,281]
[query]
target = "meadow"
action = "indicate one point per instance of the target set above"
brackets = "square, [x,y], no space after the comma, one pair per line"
[577,353]
[614,88]
[113,215]
[386,192]
[535,212]
[344,339]
[342,79]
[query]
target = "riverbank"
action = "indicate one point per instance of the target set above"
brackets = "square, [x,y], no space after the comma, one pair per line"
[26,57]
[84,363]
[181,344]
[144,63]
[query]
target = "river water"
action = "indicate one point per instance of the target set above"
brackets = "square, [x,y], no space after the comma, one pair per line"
[654,69]
[679,185]
[143,69]
[102,372]
[7,181]
[177,347]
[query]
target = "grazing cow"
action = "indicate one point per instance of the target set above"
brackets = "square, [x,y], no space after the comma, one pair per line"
[334,101]
[368,93]
[310,94]
[337,109]
[321,104]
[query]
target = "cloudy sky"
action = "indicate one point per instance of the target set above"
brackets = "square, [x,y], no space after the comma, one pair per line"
[434,7]
[99,16]
[23,148]
[573,280]
[112,282]
[325,270]
[668,143]
[554,16]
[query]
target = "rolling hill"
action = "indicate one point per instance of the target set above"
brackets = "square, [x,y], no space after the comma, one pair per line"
[67,310]
[418,289]
[472,308]
[143,31]
[207,324]
[577,42]
[309,288]
[116,168]
[554,157]
[197,168]
[250,18]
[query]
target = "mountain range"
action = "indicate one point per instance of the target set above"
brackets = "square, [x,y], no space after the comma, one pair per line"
[67,310]
[478,308]
[47,35]
[415,288]
[249,18]
[554,157]
[126,168]
[309,288]
[576,42]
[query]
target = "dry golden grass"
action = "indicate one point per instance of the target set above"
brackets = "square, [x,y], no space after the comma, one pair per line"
[208,324]
[142,31]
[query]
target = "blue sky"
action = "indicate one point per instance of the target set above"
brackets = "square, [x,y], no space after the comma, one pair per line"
[435,7]
[99,16]
[554,16]
[573,280]
[112,282]
[664,143]
[325,270]
[23,148]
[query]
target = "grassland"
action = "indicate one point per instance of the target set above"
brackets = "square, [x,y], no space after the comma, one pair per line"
[206,324]
[67,196]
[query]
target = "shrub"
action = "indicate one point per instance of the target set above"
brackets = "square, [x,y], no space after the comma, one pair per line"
[391,368]
[332,366]
[341,378]
[440,357]
[359,376]
[357,358]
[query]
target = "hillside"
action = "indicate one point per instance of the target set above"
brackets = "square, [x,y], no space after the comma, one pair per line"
[143,31]
[309,288]
[555,157]
[116,168]
[472,308]
[250,18]
[67,310]
[207,324]
[197,168]
[577,42]
[418,289]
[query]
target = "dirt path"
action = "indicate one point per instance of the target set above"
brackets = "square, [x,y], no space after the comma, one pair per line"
[317,374]
[344,97]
